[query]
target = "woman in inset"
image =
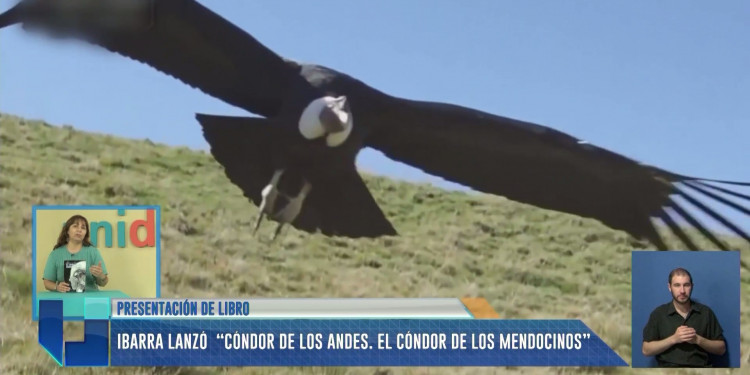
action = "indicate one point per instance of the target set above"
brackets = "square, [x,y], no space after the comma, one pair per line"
[75,264]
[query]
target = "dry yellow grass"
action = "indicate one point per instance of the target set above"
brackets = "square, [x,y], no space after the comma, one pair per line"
[528,263]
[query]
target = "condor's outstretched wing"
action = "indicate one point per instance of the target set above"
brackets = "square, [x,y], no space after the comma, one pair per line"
[249,150]
[182,38]
[540,166]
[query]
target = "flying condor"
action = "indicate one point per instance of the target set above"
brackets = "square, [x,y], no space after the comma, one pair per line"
[297,160]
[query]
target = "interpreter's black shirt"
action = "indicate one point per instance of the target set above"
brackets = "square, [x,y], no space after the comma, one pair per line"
[663,323]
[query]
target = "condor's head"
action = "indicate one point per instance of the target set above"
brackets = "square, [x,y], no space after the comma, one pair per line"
[328,117]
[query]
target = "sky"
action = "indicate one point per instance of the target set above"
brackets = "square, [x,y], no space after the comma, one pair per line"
[665,83]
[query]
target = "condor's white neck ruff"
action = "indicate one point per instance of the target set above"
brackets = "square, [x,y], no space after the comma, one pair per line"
[311,128]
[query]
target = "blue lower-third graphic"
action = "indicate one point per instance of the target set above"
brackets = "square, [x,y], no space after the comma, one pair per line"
[320,342]
[92,351]
[357,342]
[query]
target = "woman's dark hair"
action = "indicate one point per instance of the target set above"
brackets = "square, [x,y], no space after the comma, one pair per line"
[62,239]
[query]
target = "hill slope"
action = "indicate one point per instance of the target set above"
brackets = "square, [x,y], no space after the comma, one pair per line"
[529,263]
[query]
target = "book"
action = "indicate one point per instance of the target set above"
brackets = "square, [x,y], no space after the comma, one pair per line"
[75,275]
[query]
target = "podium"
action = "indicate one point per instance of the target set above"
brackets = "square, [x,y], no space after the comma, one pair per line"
[74,304]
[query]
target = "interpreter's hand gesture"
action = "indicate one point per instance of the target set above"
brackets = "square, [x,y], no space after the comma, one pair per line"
[685,334]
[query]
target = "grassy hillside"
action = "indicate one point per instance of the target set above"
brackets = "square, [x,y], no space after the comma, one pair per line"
[528,263]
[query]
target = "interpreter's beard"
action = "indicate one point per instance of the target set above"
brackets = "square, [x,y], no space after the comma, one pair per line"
[681,298]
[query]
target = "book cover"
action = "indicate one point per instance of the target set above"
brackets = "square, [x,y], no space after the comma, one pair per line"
[75,275]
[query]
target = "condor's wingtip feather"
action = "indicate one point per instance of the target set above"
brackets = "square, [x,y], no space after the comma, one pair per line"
[707,210]
[683,178]
[718,198]
[664,216]
[725,191]
[697,224]
[738,183]
[653,236]
[681,183]
[11,17]
[677,209]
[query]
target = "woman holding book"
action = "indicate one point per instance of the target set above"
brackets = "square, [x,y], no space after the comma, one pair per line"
[75,264]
